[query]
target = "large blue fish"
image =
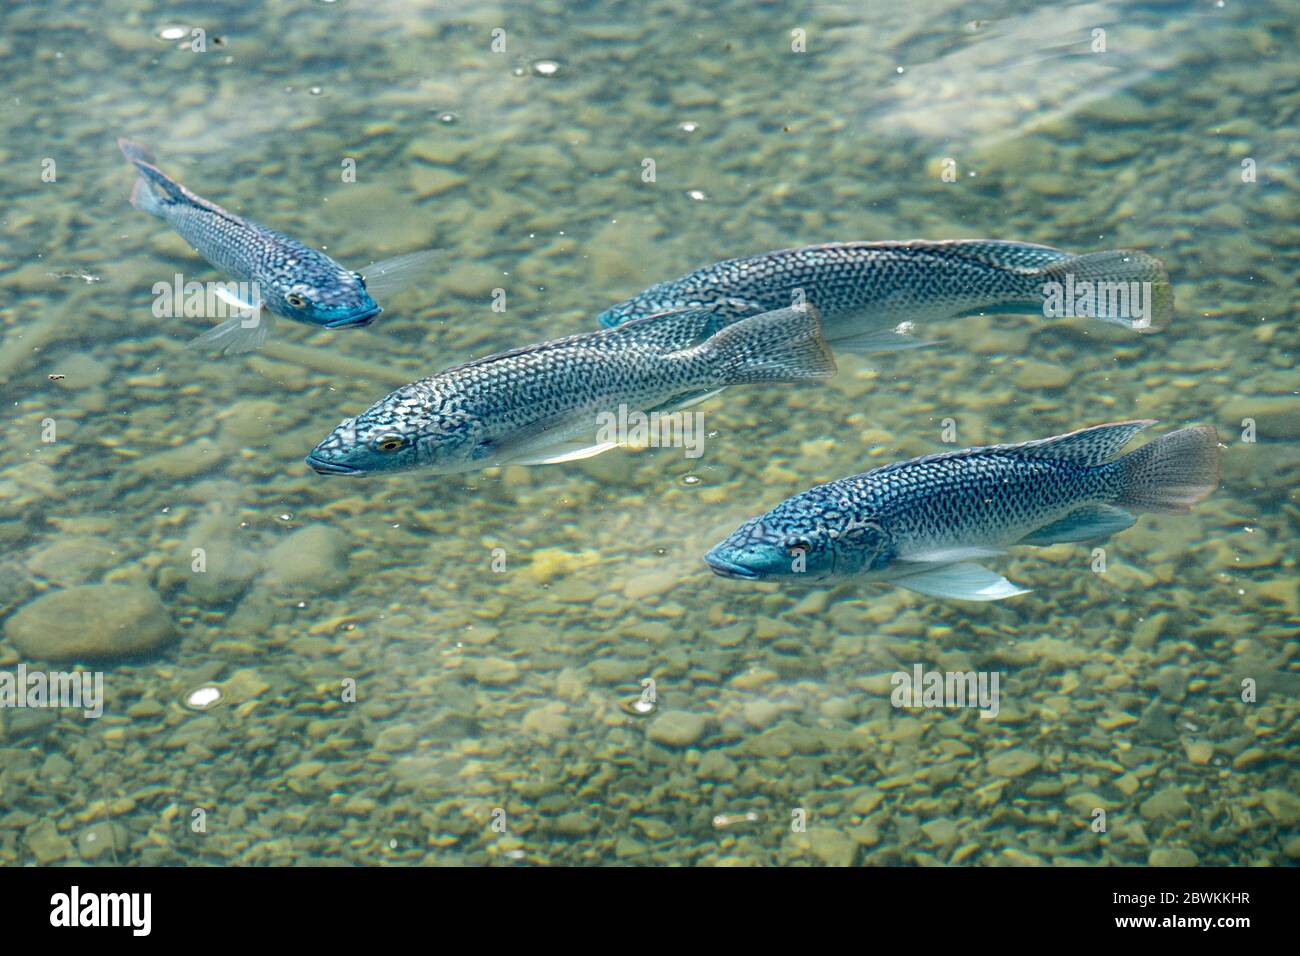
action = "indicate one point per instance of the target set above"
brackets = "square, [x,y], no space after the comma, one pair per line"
[870,293]
[291,279]
[542,404]
[925,523]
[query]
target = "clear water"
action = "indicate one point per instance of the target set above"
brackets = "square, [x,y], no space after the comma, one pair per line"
[495,717]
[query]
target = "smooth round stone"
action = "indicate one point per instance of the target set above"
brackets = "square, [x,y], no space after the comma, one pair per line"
[72,560]
[91,621]
[677,728]
[314,558]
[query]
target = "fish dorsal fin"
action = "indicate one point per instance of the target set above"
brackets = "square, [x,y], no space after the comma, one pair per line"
[672,331]
[1087,446]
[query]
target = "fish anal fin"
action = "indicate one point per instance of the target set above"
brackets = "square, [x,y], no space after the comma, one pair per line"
[963,581]
[560,452]
[237,335]
[1089,523]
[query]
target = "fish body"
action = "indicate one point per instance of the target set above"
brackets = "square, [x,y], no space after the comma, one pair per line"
[924,523]
[541,404]
[292,279]
[866,289]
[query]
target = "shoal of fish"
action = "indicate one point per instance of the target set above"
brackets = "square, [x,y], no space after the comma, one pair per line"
[779,317]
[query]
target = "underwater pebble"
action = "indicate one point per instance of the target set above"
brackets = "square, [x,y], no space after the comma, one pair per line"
[100,838]
[494,671]
[48,845]
[72,560]
[1172,856]
[397,737]
[1013,763]
[677,728]
[1282,805]
[91,621]
[1169,802]
[832,847]
[312,558]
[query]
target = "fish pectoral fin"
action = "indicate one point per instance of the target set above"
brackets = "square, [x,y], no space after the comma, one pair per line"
[685,401]
[963,581]
[572,450]
[1083,524]
[233,337]
[391,276]
[228,297]
[897,339]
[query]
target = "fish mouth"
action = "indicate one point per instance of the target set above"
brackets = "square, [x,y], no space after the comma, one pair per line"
[356,321]
[729,569]
[323,467]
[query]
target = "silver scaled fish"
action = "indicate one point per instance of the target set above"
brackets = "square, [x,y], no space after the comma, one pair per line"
[924,524]
[291,279]
[871,293]
[543,403]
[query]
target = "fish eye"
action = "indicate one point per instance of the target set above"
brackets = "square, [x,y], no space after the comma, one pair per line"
[797,546]
[297,300]
[389,443]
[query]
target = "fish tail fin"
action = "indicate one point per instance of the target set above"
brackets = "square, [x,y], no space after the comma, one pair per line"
[135,152]
[154,189]
[785,345]
[1172,473]
[1130,288]
[146,198]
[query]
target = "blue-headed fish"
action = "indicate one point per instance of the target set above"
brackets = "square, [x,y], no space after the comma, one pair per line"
[924,524]
[292,280]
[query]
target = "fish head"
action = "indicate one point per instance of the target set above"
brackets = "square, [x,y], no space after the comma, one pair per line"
[410,428]
[332,298]
[775,547]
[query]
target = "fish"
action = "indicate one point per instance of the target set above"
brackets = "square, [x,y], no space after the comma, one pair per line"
[292,280]
[873,295]
[542,404]
[926,523]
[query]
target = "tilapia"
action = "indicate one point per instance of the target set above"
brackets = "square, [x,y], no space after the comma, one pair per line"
[292,280]
[871,294]
[542,404]
[925,524]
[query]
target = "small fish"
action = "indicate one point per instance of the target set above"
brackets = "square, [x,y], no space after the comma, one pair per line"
[541,404]
[924,523]
[293,280]
[871,293]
